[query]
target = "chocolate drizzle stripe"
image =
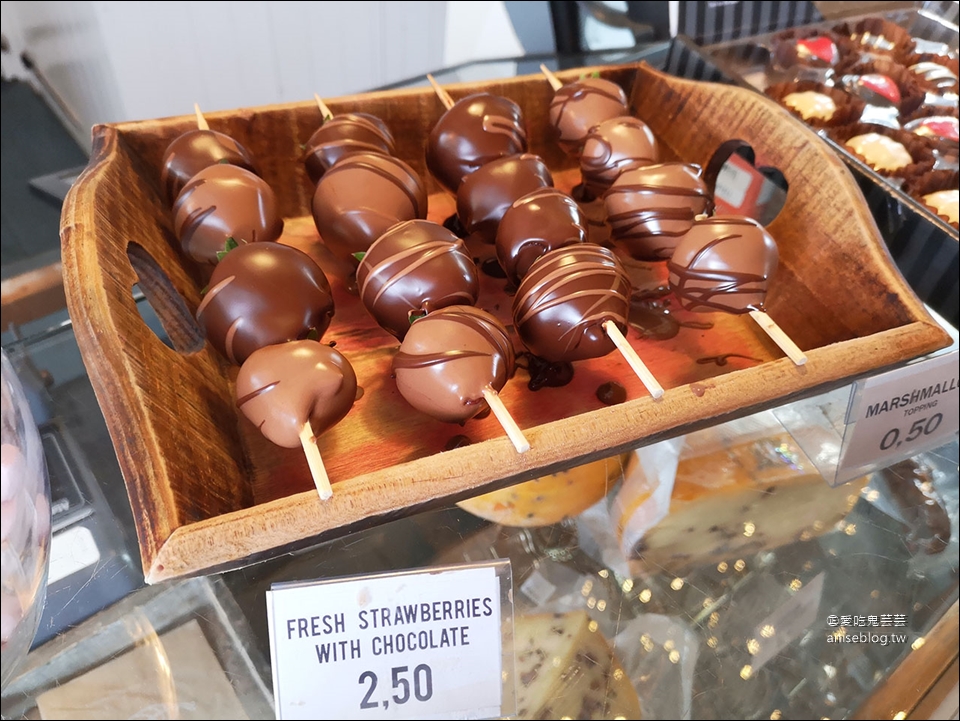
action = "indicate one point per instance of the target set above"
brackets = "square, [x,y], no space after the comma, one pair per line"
[623,223]
[405,361]
[422,253]
[546,191]
[506,126]
[657,190]
[357,146]
[728,283]
[495,336]
[253,394]
[229,338]
[598,168]
[565,96]
[191,225]
[212,293]
[376,170]
[552,283]
[365,123]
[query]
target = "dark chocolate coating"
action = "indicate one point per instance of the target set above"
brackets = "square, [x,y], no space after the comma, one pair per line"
[220,202]
[564,299]
[577,107]
[649,208]
[261,294]
[477,129]
[344,135]
[613,147]
[723,264]
[363,195]
[195,150]
[535,224]
[282,387]
[416,267]
[448,357]
[485,195]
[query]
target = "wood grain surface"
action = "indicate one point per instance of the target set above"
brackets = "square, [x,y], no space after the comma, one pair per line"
[210,493]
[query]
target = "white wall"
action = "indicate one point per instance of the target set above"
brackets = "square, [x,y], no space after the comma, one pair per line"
[113,61]
[478,30]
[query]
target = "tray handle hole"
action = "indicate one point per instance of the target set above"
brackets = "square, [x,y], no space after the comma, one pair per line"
[741,187]
[166,313]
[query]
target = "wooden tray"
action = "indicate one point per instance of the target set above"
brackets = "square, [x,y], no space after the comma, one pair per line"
[209,493]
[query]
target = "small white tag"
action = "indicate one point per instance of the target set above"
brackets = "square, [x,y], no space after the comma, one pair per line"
[414,644]
[538,589]
[786,624]
[896,415]
[71,550]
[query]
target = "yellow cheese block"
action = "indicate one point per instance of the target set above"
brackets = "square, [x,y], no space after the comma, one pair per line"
[566,669]
[732,499]
[550,499]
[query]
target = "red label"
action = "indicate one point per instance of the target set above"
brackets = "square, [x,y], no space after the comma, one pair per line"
[738,188]
[818,47]
[882,85]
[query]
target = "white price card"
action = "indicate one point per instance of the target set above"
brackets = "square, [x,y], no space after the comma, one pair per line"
[898,414]
[412,644]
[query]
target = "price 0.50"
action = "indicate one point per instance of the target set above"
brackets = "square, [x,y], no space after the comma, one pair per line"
[923,427]
[419,685]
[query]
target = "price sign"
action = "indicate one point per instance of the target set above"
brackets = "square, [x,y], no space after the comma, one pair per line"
[415,644]
[898,414]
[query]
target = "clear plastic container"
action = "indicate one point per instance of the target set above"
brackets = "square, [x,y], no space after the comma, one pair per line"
[25,504]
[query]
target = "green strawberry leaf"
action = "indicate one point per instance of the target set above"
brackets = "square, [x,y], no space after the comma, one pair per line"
[359,256]
[313,334]
[416,315]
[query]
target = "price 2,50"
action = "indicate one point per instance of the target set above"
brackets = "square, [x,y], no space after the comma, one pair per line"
[922,427]
[421,685]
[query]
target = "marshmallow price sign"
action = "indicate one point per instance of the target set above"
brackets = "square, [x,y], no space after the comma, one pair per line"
[414,644]
[898,414]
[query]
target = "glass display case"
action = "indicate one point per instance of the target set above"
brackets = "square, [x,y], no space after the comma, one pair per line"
[725,576]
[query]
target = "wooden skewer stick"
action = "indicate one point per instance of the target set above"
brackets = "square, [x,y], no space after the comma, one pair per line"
[779,337]
[513,431]
[201,121]
[551,78]
[317,469]
[441,93]
[630,355]
[324,110]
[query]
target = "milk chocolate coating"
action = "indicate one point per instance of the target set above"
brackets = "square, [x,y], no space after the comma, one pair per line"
[195,150]
[650,208]
[535,224]
[363,195]
[414,268]
[448,357]
[477,129]
[485,195]
[613,147]
[220,202]
[345,135]
[261,294]
[564,299]
[281,388]
[579,106]
[723,264]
